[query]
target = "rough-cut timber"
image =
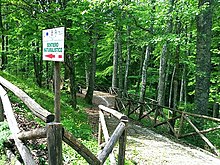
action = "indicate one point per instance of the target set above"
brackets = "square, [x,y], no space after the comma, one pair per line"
[57,91]
[34,107]
[54,143]
[33,134]
[106,135]
[122,148]
[115,113]
[214,150]
[23,150]
[80,148]
[111,143]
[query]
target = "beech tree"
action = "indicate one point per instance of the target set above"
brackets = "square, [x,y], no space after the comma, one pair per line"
[161,49]
[203,56]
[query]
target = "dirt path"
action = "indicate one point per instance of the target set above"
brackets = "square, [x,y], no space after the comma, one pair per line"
[145,147]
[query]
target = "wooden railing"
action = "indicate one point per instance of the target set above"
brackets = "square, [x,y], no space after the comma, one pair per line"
[175,119]
[119,133]
[54,131]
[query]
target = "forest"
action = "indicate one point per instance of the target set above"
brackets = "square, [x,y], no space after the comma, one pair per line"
[164,50]
[167,50]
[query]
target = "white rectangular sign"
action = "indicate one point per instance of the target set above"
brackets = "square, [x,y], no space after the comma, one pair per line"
[53,44]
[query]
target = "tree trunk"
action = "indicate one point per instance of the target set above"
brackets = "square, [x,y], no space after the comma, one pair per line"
[144,74]
[115,62]
[71,71]
[38,65]
[163,60]
[216,110]
[171,87]
[162,75]
[203,57]
[87,72]
[140,70]
[89,93]
[120,66]
[71,67]
[3,60]
[127,60]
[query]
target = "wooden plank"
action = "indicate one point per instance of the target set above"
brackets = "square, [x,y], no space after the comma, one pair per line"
[115,113]
[54,143]
[23,150]
[80,148]
[33,134]
[111,143]
[214,150]
[32,105]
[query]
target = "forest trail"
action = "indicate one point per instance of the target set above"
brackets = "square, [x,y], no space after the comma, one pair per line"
[145,147]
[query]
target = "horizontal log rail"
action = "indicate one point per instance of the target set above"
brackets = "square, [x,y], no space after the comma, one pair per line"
[202,132]
[69,139]
[150,106]
[37,133]
[213,148]
[113,112]
[32,105]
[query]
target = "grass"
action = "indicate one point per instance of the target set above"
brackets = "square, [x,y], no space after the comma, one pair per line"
[75,121]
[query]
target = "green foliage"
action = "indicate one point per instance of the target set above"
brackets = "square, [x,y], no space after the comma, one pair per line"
[4,133]
[74,121]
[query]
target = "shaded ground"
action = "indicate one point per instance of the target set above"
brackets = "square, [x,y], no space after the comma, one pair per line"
[146,147]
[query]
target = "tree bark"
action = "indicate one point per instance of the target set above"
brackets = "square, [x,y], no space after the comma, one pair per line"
[163,60]
[89,93]
[203,56]
[120,66]
[216,110]
[140,70]
[127,60]
[162,75]
[3,55]
[144,74]
[38,65]
[115,62]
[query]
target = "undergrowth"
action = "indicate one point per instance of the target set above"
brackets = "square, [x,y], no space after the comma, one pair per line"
[75,121]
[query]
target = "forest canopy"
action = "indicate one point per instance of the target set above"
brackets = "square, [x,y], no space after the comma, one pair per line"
[167,50]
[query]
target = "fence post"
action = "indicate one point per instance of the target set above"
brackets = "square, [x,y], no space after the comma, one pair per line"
[54,142]
[122,146]
[1,111]
[100,132]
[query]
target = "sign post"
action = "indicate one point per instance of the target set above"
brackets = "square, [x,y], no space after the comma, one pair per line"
[53,50]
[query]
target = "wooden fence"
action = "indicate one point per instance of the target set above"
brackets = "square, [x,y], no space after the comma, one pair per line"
[119,134]
[175,119]
[54,132]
